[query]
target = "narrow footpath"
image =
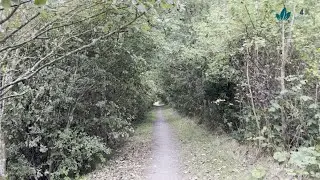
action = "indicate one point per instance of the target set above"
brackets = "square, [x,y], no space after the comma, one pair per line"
[165,153]
[167,146]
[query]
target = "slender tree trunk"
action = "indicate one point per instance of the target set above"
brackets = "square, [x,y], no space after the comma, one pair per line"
[283,61]
[286,46]
[316,98]
[2,156]
[6,76]
[290,41]
[282,83]
[251,99]
[2,142]
[316,101]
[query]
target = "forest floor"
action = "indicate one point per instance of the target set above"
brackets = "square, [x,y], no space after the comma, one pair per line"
[167,146]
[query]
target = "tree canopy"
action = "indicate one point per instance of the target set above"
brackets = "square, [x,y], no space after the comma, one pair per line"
[76,75]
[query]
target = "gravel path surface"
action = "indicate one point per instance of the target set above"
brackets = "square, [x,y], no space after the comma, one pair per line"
[165,153]
[151,154]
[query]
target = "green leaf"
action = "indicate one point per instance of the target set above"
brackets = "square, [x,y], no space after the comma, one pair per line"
[305,98]
[277,127]
[272,109]
[275,105]
[4,69]
[6,3]
[283,13]
[313,106]
[141,8]
[278,17]
[304,157]
[259,173]
[260,138]
[44,14]
[165,5]
[43,148]
[40,2]
[281,156]
[311,122]
[170,1]
[145,27]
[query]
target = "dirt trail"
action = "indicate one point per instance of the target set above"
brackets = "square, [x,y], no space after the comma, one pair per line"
[165,153]
[184,150]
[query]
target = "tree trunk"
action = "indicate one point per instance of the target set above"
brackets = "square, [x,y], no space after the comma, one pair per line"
[283,61]
[282,83]
[251,97]
[2,157]
[2,142]
[6,76]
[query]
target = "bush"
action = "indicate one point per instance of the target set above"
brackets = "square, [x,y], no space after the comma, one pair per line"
[72,115]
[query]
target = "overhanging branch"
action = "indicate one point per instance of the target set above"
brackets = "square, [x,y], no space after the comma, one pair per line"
[34,70]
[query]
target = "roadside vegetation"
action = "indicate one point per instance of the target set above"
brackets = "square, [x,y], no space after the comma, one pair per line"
[72,83]
[216,155]
[76,75]
[132,159]
[250,68]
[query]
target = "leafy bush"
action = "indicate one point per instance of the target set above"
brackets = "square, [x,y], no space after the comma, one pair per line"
[304,162]
[75,153]
[71,115]
[256,77]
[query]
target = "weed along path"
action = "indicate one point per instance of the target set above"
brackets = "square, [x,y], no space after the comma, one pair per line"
[165,152]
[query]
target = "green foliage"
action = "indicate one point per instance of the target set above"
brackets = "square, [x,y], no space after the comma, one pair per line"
[305,162]
[73,112]
[220,61]
[40,2]
[6,3]
[195,80]
[82,81]
[281,156]
[304,157]
[258,173]
[74,153]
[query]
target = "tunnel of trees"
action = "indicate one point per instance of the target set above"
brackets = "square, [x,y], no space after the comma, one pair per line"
[77,74]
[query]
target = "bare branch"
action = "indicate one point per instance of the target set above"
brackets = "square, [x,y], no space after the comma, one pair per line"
[16,5]
[34,71]
[18,29]
[10,15]
[43,30]
[11,96]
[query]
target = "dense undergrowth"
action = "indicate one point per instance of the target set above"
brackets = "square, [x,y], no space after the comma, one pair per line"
[73,83]
[72,116]
[75,75]
[239,66]
[132,159]
[216,155]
